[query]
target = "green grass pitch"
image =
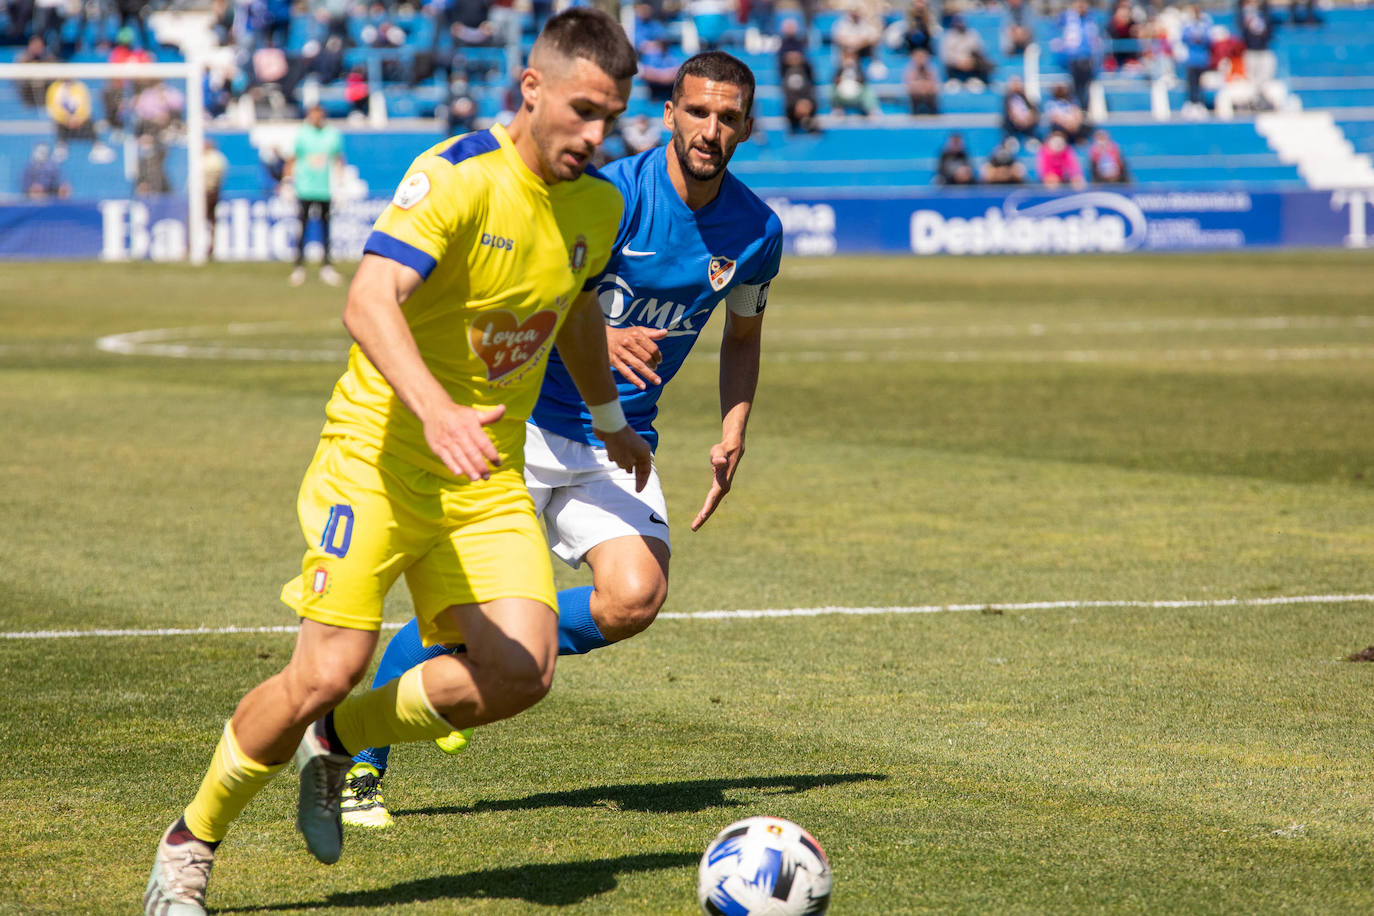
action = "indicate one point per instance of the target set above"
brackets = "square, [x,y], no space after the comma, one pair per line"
[927,432]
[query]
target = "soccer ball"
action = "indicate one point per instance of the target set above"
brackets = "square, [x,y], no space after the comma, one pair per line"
[764,866]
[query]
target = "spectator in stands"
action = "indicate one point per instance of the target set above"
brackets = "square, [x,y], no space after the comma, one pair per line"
[918,30]
[1079,47]
[1255,25]
[507,32]
[42,176]
[134,14]
[459,113]
[69,106]
[334,15]
[856,32]
[759,16]
[158,109]
[1197,42]
[114,97]
[640,134]
[272,87]
[466,22]
[357,93]
[1305,12]
[151,171]
[1020,116]
[964,56]
[1002,166]
[1018,27]
[325,61]
[791,38]
[273,22]
[647,27]
[1058,163]
[954,166]
[217,89]
[922,83]
[33,92]
[20,15]
[1106,163]
[540,11]
[1065,116]
[213,165]
[48,17]
[798,83]
[849,90]
[658,69]
[1124,29]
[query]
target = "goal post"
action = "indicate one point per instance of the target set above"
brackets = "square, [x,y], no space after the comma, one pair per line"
[14,77]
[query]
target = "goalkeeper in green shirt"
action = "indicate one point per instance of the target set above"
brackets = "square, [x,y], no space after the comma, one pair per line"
[318,147]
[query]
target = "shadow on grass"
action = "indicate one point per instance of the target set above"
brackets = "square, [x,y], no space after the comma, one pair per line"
[658,797]
[548,885]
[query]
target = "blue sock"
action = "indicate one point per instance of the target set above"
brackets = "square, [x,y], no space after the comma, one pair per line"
[402,653]
[577,631]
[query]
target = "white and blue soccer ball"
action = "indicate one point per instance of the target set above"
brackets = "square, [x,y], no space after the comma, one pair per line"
[764,866]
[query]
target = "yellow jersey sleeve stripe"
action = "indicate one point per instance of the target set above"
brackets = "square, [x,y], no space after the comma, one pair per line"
[394,249]
[469,145]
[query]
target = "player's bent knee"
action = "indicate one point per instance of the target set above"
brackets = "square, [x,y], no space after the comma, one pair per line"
[631,606]
[322,687]
[519,684]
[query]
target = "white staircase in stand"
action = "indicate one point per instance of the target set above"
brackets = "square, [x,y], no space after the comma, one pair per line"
[1313,142]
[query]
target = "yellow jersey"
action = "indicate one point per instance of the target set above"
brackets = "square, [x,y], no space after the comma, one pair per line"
[503,255]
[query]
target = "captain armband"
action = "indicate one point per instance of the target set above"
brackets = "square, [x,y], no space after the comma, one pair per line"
[747,301]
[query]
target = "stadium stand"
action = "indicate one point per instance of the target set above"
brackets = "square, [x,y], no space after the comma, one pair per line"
[393,71]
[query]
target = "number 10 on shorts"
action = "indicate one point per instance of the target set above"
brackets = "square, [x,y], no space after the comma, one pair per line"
[335,541]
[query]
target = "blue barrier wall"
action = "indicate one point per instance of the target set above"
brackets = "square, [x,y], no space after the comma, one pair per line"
[1019,222]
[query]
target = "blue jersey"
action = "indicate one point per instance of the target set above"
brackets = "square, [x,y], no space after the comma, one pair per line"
[669,268]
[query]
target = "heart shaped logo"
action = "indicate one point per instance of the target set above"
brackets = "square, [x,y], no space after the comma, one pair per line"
[505,344]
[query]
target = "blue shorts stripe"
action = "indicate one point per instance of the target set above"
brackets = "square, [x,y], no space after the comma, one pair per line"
[396,250]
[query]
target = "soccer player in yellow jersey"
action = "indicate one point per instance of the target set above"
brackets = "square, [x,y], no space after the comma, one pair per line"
[485,260]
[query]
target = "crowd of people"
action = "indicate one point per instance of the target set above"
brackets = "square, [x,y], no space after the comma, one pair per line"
[271,48]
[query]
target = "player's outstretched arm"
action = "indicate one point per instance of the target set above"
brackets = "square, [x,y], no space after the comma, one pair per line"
[582,344]
[739,379]
[373,316]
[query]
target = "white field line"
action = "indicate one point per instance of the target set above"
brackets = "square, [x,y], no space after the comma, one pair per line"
[171,342]
[789,612]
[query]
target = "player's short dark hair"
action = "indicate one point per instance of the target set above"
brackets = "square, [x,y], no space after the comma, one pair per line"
[589,33]
[718,67]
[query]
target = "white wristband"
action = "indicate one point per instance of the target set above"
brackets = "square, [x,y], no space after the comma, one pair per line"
[608,417]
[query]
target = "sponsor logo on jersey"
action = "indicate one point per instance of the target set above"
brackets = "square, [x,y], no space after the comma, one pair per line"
[719,271]
[505,344]
[499,242]
[622,308]
[413,190]
[577,255]
[319,583]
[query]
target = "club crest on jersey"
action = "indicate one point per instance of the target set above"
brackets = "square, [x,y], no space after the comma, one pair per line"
[719,271]
[577,254]
[413,190]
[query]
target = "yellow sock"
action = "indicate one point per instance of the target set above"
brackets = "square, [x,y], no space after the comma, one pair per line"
[394,713]
[229,785]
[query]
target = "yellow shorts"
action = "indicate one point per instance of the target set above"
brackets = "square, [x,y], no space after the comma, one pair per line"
[369,517]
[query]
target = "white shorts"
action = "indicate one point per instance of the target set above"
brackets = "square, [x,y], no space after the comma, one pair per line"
[585,499]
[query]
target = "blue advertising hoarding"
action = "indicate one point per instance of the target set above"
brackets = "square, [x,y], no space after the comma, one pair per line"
[1020,221]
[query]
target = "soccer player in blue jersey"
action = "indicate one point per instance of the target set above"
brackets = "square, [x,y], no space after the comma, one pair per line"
[692,236]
